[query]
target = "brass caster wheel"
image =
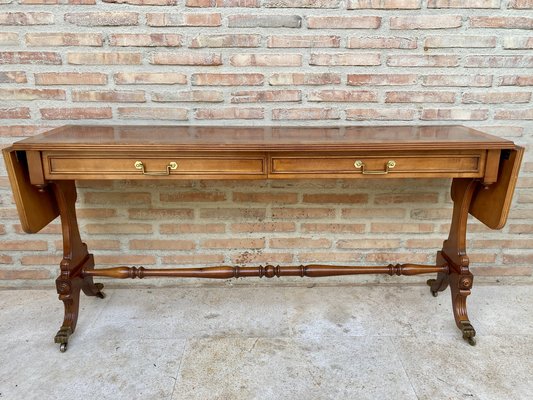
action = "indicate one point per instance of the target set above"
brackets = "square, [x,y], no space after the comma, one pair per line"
[430,283]
[471,341]
[100,295]
[434,293]
[63,347]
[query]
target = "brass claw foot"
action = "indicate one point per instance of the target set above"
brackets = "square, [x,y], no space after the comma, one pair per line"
[430,283]
[99,287]
[62,338]
[468,332]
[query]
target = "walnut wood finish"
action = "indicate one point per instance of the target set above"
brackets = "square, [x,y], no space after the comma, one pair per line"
[484,169]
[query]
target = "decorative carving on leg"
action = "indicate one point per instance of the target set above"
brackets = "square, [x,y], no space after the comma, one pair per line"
[76,258]
[441,283]
[453,252]
[460,286]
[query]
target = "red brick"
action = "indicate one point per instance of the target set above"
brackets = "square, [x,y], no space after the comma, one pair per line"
[523,259]
[102,18]
[193,259]
[115,229]
[338,22]
[416,60]
[419,97]
[380,114]
[301,3]
[502,22]
[26,18]
[211,96]
[423,243]
[305,113]
[37,1]
[223,3]
[157,78]
[117,198]
[516,80]
[334,59]
[76,113]
[121,259]
[402,198]
[183,19]
[211,79]
[192,228]
[426,22]
[329,257]
[30,57]
[102,213]
[488,61]
[454,114]
[299,243]
[192,197]
[27,274]
[70,78]
[379,227]
[155,113]
[300,78]
[518,42]
[160,213]
[109,96]
[145,39]
[151,244]
[302,213]
[229,113]
[9,38]
[188,58]
[382,79]
[526,114]
[464,3]
[332,228]
[144,2]
[369,244]
[233,244]
[15,113]
[23,245]
[374,42]
[521,4]
[450,41]
[32,94]
[264,21]
[226,40]
[496,97]
[457,80]
[263,227]
[352,96]
[501,271]
[397,257]
[266,60]
[63,39]
[336,198]
[107,58]
[232,213]
[384,4]
[247,258]
[305,41]
[265,96]
[287,198]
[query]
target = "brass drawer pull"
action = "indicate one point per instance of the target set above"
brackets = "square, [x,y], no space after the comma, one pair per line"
[390,165]
[171,165]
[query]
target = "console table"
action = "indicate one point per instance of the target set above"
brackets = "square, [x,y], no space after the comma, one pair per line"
[43,170]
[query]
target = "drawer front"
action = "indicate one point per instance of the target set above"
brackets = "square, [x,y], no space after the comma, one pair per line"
[143,166]
[391,165]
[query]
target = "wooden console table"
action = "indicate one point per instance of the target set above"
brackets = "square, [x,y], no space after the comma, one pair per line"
[43,170]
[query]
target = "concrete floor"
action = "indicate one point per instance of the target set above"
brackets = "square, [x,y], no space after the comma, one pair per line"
[257,342]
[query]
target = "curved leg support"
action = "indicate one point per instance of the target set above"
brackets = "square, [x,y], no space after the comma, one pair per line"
[460,279]
[76,258]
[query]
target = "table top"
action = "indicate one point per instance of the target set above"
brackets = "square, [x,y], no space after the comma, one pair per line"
[273,138]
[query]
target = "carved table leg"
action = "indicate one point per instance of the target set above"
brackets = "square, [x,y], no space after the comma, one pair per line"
[443,280]
[75,259]
[453,252]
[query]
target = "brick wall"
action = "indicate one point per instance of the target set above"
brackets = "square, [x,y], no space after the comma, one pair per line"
[312,62]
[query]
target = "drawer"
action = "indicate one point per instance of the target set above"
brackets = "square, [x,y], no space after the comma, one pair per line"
[144,166]
[378,165]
